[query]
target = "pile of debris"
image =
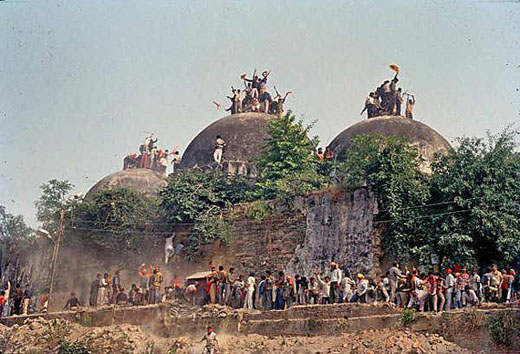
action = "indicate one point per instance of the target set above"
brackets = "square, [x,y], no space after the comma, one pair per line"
[41,336]
[389,341]
[180,308]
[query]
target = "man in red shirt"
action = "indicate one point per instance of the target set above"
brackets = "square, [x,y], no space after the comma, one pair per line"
[2,301]
[460,285]
[431,287]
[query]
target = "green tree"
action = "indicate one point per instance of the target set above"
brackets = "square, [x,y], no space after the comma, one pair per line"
[116,219]
[192,193]
[15,237]
[202,198]
[478,188]
[287,166]
[389,167]
[51,202]
[13,228]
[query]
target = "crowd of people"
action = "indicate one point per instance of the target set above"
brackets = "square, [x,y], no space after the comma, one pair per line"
[151,157]
[106,290]
[454,288]
[386,100]
[16,301]
[254,97]
[322,156]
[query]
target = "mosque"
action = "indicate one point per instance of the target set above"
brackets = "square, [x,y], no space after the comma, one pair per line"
[245,135]
[341,218]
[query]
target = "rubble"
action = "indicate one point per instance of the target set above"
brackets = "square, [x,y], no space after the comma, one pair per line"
[41,336]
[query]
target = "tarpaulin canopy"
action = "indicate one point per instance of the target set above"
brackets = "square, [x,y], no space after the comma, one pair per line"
[198,275]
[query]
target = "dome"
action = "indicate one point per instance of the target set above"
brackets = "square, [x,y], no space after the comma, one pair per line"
[425,139]
[140,180]
[245,135]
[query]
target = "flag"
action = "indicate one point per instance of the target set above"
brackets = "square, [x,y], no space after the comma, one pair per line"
[394,67]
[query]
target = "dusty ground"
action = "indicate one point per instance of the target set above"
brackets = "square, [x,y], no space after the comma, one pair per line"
[40,336]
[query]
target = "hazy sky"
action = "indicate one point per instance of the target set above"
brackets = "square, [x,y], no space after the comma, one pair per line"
[80,81]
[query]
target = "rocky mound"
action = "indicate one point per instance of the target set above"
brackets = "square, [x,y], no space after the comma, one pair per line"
[41,336]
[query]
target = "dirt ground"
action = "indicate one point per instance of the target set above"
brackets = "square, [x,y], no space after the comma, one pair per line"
[41,336]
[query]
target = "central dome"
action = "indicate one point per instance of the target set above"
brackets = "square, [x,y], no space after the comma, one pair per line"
[425,139]
[245,135]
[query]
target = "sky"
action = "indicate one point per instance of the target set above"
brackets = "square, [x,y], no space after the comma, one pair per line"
[82,81]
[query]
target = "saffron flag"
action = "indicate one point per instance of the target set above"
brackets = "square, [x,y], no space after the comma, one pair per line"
[394,67]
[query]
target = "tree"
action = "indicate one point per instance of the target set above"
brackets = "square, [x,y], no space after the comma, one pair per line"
[116,219]
[389,166]
[15,237]
[13,228]
[478,188]
[202,198]
[192,193]
[287,166]
[51,202]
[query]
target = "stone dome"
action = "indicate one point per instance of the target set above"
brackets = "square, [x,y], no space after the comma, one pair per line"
[140,180]
[425,139]
[245,135]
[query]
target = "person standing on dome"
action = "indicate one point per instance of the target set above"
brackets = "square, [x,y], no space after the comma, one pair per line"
[386,97]
[277,105]
[233,106]
[398,101]
[143,157]
[219,149]
[238,101]
[265,98]
[254,84]
[410,102]
[393,94]
[372,106]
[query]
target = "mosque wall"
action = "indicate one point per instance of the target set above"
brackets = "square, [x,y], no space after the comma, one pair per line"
[329,225]
[339,228]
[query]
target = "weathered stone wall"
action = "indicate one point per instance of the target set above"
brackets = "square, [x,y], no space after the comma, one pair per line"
[260,245]
[339,228]
[329,225]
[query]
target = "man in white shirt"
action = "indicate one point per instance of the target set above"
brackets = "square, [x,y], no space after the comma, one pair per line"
[325,288]
[219,149]
[394,275]
[361,290]
[449,283]
[347,284]
[250,289]
[335,279]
